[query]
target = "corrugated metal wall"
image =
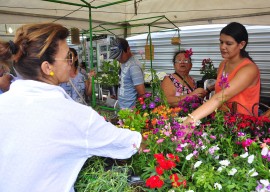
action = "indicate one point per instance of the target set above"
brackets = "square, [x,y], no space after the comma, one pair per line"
[205,44]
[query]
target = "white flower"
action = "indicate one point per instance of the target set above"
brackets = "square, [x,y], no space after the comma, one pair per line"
[264,151]
[189,156]
[253,171]
[217,157]
[197,164]
[265,182]
[171,190]
[244,155]
[184,145]
[220,168]
[224,162]
[232,171]
[250,159]
[203,147]
[217,186]
[190,191]
[204,135]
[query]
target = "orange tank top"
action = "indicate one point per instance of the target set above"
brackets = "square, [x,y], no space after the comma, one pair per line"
[247,97]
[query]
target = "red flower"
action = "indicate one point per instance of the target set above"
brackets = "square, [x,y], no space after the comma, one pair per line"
[184,183]
[170,164]
[173,157]
[188,53]
[154,182]
[159,170]
[176,184]
[235,155]
[174,177]
[158,156]
[140,99]
[175,181]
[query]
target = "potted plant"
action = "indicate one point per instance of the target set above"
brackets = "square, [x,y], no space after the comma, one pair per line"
[109,76]
[208,70]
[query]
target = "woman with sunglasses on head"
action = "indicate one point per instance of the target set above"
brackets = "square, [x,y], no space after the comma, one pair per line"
[45,136]
[180,84]
[78,87]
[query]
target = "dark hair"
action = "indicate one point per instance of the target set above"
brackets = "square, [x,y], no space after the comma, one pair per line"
[34,44]
[76,62]
[177,53]
[239,33]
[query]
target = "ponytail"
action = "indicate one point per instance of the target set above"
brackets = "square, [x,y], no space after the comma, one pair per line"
[245,54]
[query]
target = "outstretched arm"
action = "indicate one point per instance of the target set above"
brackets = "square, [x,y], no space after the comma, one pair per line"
[245,77]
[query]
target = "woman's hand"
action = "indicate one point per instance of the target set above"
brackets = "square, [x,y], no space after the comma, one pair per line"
[200,92]
[92,73]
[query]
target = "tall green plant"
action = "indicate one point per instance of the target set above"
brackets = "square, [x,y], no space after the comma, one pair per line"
[109,74]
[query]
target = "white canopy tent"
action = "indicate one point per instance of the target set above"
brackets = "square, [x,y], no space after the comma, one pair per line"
[13,13]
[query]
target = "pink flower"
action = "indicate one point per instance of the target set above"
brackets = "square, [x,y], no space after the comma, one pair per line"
[266,140]
[246,143]
[213,137]
[160,140]
[224,83]
[141,52]
[146,150]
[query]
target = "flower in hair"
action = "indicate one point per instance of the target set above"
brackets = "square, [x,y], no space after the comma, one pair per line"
[188,53]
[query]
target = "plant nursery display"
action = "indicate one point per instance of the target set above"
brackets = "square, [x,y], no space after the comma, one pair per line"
[108,76]
[226,151]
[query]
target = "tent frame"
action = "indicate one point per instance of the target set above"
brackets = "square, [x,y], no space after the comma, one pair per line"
[91,31]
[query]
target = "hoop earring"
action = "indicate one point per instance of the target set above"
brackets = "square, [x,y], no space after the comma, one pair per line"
[51,73]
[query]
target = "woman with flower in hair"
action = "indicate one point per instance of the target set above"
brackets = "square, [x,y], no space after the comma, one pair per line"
[179,85]
[45,136]
[238,79]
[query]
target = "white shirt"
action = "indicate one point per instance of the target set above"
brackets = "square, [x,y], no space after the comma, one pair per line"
[45,138]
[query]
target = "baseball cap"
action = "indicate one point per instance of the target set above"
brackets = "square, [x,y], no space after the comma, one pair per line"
[117,47]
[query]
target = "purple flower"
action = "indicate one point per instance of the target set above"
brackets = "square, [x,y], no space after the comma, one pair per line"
[194,105]
[143,106]
[146,95]
[224,81]
[152,105]
[259,187]
[240,134]
[180,133]
[155,131]
[157,99]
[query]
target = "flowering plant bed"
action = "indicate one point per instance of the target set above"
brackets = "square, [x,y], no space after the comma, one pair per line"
[226,152]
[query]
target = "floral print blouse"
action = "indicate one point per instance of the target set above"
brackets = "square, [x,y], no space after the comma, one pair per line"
[180,89]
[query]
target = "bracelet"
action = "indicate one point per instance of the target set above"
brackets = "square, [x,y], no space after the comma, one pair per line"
[192,117]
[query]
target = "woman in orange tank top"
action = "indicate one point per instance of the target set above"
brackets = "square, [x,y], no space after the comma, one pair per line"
[241,73]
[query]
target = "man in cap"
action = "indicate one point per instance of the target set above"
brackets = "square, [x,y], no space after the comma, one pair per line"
[131,76]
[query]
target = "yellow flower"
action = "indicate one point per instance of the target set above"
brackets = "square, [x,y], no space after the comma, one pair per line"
[145,114]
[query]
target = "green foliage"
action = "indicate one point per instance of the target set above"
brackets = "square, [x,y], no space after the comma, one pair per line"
[94,177]
[208,69]
[109,73]
[131,120]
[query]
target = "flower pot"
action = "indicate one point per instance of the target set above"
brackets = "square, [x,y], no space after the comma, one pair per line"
[113,91]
